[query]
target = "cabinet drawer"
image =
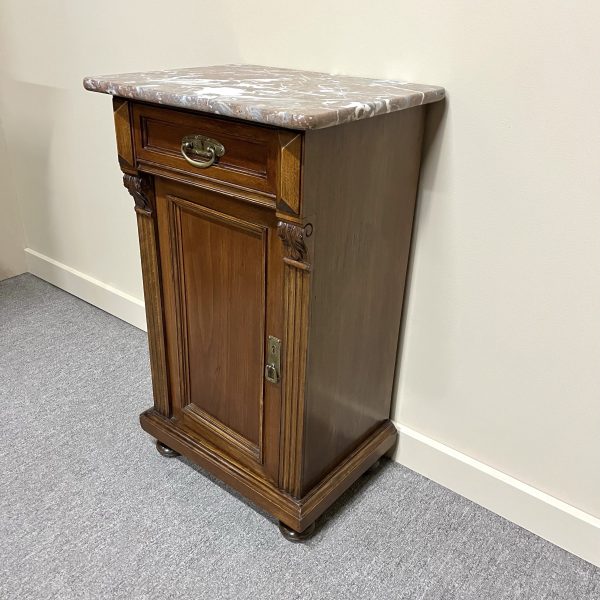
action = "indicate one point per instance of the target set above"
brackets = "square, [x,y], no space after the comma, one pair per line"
[250,158]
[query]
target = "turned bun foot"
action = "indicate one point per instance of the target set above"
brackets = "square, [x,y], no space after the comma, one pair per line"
[292,535]
[165,450]
[374,467]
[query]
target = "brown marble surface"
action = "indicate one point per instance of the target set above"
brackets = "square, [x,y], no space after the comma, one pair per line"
[275,96]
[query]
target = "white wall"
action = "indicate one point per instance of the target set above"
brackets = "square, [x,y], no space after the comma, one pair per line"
[498,394]
[12,239]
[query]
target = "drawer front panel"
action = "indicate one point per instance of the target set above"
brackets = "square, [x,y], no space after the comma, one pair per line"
[251,152]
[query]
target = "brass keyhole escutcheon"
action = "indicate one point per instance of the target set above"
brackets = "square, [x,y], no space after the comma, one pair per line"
[273,366]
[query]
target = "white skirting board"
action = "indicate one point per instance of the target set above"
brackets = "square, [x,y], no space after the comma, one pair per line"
[87,288]
[534,510]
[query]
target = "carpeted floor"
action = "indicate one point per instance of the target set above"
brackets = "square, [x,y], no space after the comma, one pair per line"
[90,510]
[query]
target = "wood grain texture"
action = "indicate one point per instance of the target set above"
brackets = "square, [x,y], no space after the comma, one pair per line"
[196,180]
[140,187]
[293,238]
[299,514]
[220,279]
[122,118]
[220,255]
[290,172]
[302,236]
[360,182]
[251,151]
[296,301]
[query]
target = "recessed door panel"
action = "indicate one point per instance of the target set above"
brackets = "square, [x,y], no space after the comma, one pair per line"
[217,301]
[223,262]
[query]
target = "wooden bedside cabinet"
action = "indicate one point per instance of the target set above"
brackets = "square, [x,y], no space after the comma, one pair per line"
[275,211]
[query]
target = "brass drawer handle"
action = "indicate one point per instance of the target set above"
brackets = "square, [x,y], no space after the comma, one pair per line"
[201,146]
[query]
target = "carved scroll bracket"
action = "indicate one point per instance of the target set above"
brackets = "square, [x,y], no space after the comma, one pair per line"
[294,240]
[140,187]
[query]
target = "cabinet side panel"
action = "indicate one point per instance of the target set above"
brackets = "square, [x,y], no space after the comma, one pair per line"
[360,184]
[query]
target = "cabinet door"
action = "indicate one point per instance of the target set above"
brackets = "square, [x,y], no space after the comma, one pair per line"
[221,271]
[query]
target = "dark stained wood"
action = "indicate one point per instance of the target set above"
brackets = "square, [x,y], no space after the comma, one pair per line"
[122,117]
[339,479]
[291,535]
[299,235]
[290,173]
[220,270]
[296,292]
[297,514]
[166,451]
[141,189]
[360,183]
[251,151]
[225,189]
[220,312]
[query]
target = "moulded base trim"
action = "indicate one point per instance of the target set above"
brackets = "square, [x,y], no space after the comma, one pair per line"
[297,513]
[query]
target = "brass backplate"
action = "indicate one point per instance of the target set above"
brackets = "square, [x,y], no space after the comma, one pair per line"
[201,145]
[273,366]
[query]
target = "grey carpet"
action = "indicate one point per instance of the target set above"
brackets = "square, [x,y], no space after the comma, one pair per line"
[90,510]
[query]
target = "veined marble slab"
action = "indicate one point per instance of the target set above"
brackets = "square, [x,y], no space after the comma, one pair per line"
[275,96]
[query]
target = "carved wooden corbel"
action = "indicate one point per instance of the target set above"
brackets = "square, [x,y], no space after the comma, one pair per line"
[140,187]
[293,237]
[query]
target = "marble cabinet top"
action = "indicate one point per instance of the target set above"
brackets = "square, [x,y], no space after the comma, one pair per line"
[282,97]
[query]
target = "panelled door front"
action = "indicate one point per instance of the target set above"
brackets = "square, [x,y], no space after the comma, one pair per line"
[222,279]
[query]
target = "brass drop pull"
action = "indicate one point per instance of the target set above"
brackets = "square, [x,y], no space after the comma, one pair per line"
[273,366]
[203,147]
